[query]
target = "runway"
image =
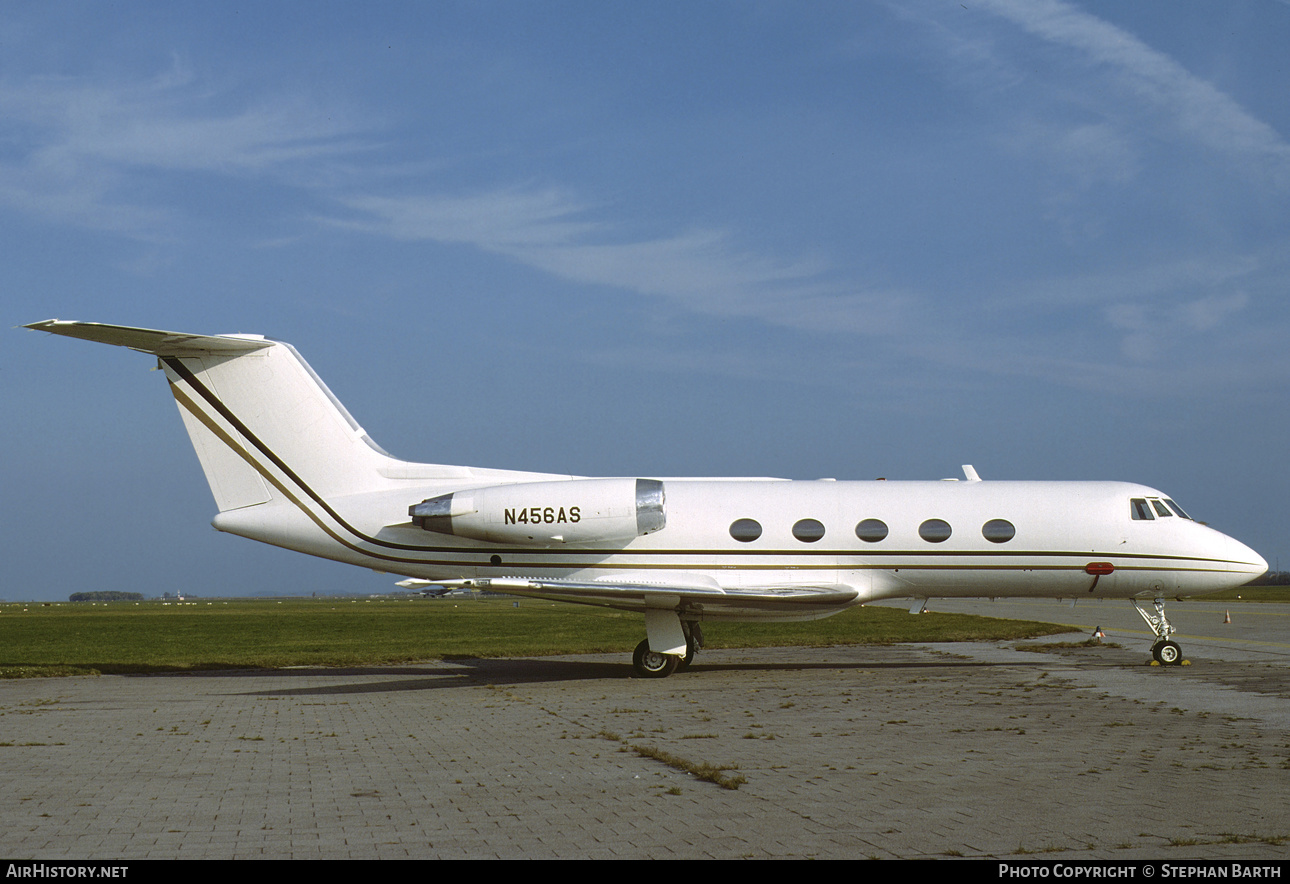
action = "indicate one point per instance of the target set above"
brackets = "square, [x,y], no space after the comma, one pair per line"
[976,750]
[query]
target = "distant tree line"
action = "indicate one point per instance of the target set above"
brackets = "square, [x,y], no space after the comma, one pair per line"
[107,595]
[1272,578]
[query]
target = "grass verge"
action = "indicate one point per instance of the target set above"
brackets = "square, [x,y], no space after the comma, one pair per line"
[121,637]
[710,773]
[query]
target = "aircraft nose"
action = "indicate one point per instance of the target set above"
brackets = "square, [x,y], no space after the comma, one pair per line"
[1260,562]
[1244,559]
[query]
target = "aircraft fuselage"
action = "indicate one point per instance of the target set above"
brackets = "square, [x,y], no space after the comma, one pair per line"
[884,538]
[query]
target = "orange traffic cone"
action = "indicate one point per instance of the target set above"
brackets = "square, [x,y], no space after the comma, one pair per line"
[1227,616]
[1098,634]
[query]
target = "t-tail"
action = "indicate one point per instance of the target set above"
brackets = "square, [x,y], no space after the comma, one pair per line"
[262,423]
[281,454]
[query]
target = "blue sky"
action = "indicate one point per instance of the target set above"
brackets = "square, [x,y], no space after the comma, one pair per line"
[851,239]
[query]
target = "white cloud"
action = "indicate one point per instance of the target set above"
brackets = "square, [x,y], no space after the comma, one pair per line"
[1092,152]
[1154,330]
[1204,113]
[703,271]
[81,153]
[500,220]
[1140,282]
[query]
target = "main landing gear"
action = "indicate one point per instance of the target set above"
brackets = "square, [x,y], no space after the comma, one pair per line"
[655,664]
[1165,651]
[652,664]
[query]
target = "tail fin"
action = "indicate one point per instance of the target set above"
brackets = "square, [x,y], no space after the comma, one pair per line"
[260,419]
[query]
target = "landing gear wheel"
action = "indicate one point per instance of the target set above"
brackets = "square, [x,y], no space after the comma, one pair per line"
[651,664]
[1167,653]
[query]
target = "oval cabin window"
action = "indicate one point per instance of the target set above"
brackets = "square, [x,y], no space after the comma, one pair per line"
[808,530]
[745,530]
[998,531]
[872,530]
[935,530]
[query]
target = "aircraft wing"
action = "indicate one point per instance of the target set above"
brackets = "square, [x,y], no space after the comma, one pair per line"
[700,599]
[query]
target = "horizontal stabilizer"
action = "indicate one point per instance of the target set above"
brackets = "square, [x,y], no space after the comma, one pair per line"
[151,340]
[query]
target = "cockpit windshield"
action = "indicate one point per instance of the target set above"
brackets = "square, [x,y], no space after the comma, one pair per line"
[1146,509]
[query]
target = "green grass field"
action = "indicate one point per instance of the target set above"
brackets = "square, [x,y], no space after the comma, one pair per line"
[1249,594]
[117,637]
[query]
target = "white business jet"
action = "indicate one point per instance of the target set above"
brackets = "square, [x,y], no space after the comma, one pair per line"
[289,466]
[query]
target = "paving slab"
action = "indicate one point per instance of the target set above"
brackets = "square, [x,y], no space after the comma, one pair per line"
[977,750]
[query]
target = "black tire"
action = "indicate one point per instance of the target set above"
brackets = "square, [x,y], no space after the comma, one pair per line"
[1167,654]
[651,664]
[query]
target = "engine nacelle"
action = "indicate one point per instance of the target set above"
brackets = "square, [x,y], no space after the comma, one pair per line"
[545,513]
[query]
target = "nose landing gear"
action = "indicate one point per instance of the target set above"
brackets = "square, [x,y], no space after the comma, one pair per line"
[1165,651]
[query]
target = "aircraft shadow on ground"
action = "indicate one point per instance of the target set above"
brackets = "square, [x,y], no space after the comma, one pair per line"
[475,673]
[459,672]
